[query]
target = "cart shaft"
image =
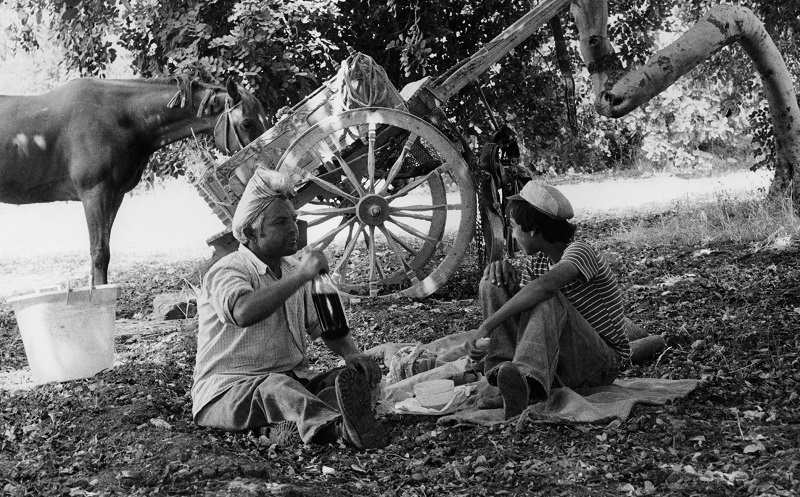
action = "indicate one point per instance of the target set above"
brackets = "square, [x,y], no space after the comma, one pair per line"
[496,49]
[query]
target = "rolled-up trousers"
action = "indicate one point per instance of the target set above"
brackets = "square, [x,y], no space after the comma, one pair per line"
[550,343]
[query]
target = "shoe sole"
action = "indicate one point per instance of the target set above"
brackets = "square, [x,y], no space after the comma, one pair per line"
[514,390]
[353,395]
[285,434]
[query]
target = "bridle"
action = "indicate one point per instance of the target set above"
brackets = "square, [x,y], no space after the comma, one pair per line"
[228,127]
[224,121]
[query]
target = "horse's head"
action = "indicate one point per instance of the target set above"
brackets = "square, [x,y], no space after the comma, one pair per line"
[240,116]
[241,119]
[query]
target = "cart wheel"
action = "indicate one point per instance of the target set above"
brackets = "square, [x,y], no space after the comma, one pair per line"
[387,196]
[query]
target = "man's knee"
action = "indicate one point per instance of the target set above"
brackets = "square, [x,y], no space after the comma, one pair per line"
[555,305]
[487,289]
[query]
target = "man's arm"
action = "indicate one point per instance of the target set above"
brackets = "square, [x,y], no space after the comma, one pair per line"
[254,306]
[257,305]
[356,359]
[535,292]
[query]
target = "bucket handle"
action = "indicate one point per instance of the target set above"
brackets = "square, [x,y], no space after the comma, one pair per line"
[48,288]
[91,289]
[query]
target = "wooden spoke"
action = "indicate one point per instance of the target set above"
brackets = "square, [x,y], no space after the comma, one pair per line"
[404,191]
[368,243]
[371,157]
[393,245]
[419,208]
[348,171]
[399,162]
[414,231]
[406,246]
[333,211]
[320,220]
[423,217]
[341,265]
[422,179]
[332,188]
[373,262]
[326,239]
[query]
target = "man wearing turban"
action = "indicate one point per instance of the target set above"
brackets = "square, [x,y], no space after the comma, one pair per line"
[252,370]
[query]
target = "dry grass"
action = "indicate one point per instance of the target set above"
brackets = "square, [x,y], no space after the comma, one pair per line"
[198,157]
[727,219]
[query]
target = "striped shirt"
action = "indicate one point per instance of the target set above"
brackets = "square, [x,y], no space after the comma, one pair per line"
[595,293]
[226,352]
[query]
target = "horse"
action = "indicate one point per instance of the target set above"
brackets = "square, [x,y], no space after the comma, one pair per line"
[91,139]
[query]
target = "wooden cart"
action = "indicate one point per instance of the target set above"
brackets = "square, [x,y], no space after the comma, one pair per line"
[383,184]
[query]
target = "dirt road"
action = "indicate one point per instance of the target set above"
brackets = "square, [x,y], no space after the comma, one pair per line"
[173,222]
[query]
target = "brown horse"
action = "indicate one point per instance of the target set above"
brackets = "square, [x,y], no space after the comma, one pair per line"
[90,140]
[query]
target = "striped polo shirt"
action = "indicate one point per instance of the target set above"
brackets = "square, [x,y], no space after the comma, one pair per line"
[228,353]
[595,293]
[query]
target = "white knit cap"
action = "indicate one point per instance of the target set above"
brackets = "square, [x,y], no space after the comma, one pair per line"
[546,199]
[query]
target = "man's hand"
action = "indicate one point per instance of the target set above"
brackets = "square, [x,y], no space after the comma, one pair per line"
[312,262]
[365,365]
[354,358]
[478,347]
[502,273]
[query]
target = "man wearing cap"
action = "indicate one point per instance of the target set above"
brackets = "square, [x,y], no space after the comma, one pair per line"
[255,310]
[559,322]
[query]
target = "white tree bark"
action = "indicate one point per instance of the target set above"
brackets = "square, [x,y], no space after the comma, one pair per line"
[618,92]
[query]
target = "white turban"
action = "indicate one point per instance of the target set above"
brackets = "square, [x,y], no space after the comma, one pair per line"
[265,186]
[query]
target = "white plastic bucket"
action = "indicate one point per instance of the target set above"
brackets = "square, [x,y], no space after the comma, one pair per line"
[68,334]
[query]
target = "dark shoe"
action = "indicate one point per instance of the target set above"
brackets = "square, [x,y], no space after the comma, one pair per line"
[328,395]
[360,427]
[284,434]
[513,388]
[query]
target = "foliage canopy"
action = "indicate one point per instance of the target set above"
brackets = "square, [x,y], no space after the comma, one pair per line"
[284,50]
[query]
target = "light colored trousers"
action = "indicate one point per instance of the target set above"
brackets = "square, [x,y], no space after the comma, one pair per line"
[550,343]
[263,400]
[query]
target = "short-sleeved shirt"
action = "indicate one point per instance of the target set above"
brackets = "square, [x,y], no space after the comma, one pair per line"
[226,351]
[595,293]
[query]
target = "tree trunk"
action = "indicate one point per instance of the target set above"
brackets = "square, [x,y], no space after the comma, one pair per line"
[617,92]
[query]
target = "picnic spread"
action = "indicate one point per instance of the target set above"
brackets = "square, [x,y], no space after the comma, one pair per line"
[410,364]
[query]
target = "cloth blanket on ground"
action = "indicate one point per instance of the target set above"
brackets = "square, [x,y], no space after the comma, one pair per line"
[564,406]
[593,405]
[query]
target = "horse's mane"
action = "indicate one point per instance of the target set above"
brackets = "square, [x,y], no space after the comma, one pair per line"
[184,94]
[186,86]
[163,81]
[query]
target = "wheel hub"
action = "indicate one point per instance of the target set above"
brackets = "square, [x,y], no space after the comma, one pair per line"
[373,210]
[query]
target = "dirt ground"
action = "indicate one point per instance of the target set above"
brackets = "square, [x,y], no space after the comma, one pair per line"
[730,316]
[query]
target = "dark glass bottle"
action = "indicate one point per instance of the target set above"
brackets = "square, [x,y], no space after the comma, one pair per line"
[328,305]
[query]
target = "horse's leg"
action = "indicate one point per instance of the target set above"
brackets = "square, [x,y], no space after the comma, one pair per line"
[98,205]
[116,201]
[115,204]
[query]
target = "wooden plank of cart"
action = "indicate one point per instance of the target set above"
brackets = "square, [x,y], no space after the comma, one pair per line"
[381,188]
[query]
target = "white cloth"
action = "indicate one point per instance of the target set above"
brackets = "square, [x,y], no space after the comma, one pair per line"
[265,186]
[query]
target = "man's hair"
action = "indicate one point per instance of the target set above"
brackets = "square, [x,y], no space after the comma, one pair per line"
[529,218]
